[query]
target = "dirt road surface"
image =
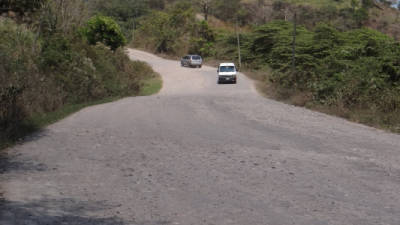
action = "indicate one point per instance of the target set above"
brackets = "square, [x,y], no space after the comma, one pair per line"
[199,153]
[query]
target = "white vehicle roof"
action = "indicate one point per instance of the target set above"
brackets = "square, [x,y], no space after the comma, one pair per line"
[226,64]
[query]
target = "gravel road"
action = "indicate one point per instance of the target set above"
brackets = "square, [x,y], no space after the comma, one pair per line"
[199,153]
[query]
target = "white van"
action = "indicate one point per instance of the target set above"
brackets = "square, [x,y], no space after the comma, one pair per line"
[227,73]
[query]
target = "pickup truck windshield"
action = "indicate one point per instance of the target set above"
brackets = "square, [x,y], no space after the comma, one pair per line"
[225,69]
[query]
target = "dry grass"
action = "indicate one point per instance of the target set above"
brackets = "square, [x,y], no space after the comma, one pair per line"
[217,23]
[386,20]
[367,116]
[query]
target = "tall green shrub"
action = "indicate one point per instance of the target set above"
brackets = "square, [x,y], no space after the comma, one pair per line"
[167,32]
[105,30]
[16,67]
[358,68]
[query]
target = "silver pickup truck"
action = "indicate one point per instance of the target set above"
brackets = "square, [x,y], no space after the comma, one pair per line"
[192,61]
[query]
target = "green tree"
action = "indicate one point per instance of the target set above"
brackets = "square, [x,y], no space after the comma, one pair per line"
[156,4]
[121,10]
[21,6]
[124,12]
[361,15]
[168,31]
[227,9]
[203,39]
[106,30]
[367,3]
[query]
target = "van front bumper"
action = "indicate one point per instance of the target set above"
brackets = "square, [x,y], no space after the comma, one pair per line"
[226,79]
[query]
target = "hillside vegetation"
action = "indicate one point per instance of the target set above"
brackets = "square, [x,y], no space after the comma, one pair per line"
[346,61]
[355,73]
[341,66]
[50,63]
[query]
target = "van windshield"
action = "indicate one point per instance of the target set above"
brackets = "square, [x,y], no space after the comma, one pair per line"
[225,69]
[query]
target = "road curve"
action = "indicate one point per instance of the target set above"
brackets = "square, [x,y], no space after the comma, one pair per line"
[199,153]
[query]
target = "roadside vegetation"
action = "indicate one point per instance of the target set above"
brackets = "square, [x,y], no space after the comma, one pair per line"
[354,74]
[56,57]
[346,63]
[60,56]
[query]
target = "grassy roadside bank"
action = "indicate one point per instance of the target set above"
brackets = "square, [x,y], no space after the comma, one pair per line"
[150,85]
[302,99]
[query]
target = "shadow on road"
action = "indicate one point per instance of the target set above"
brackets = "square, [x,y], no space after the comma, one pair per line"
[54,211]
[8,164]
[11,163]
[47,211]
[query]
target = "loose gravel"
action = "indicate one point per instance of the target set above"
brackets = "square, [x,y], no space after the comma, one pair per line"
[199,153]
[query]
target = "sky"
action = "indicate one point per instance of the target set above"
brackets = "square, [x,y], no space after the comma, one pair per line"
[395,5]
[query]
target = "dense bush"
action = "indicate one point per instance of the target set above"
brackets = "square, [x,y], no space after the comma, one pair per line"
[358,69]
[202,40]
[105,30]
[21,6]
[16,44]
[41,75]
[175,32]
[125,12]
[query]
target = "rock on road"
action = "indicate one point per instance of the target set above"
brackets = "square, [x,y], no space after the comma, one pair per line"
[199,153]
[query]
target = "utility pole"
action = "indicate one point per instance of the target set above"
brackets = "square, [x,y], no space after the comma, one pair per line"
[206,8]
[238,44]
[133,30]
[133,25]
[294,43]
